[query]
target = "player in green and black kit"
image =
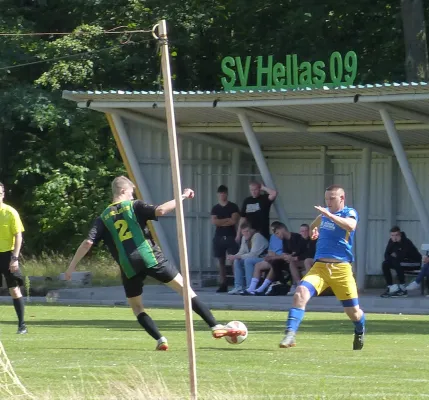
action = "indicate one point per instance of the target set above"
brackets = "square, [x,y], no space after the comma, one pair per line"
[123,228]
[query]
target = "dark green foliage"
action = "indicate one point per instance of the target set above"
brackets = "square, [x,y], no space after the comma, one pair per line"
[57,161]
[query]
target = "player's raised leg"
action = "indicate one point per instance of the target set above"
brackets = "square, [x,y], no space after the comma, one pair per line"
[218,330]
[312,283]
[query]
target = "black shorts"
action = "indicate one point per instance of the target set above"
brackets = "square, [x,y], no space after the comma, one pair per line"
[164,273]
[280,267]
[223,244]
[13,279]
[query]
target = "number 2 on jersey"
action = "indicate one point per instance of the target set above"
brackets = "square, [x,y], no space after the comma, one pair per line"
[124,233]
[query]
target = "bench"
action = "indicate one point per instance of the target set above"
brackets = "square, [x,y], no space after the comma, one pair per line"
[425,248]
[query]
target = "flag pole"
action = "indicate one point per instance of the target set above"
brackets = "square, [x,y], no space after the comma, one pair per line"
[175,170]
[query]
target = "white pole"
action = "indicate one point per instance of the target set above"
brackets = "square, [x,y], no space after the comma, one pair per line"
[262,165]
[175,170]
[410,181]
[362,231]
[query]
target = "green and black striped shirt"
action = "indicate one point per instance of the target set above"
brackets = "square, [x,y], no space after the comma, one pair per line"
[123,228]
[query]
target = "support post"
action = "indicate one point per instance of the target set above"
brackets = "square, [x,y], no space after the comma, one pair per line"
[175,170]
[362,231]
[262,165]
[391,189]
[409,178]
[134,171]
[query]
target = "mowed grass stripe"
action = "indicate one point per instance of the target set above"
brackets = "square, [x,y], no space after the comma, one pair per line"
[77,345]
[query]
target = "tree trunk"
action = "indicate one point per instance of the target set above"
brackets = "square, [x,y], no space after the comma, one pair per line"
[416,51]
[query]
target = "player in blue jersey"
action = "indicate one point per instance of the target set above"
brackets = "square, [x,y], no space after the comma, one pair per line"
[334,228]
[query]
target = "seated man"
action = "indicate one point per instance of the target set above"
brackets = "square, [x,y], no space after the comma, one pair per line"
[275,251]
[253,245]
[400,255]
[310,246]
[293,253]
[424,273]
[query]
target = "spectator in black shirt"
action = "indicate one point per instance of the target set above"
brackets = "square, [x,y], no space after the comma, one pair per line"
[256,209]
[224,216]
[400,255]
[310,246]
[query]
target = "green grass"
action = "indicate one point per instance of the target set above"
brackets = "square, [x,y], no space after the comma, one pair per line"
[105,272]
[88,349]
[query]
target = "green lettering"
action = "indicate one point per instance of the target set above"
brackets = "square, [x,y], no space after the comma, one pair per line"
[305,75]
[264,70]
[278,72]
[289,70]
[295,70]
[319,74]
[243,75]
[226,62]
[350,65]
[336,68]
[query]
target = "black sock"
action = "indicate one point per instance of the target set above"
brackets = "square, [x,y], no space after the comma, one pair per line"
[203,311]
[149,325]
[19,308]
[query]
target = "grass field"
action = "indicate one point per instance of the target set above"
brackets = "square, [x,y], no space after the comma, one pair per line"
[89,351]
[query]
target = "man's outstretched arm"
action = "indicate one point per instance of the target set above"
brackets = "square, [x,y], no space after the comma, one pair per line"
[81,252]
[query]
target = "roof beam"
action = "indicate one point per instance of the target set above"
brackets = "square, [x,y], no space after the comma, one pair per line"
[159,124]
[401,112]
[301,127]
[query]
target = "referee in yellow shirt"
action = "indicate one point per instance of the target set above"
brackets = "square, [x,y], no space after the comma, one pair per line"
[11,229]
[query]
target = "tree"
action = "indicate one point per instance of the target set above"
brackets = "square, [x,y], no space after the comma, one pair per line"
[416,50]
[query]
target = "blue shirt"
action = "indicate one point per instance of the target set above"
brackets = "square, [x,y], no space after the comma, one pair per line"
[334,241]
[276,244]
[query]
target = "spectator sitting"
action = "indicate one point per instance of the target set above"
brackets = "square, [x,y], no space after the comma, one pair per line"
[424,273]
[400,255]
[256,209]
[275,251]
[253,244]
[294,248]
[310,246]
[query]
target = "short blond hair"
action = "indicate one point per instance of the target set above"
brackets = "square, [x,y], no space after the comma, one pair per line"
[119,183]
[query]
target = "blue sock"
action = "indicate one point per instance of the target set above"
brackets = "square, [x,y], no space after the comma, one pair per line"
[360,325]
[294,319]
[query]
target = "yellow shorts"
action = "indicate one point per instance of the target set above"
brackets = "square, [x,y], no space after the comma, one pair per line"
[338,276]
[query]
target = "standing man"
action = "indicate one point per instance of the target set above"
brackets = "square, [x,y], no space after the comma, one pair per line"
[334,228]
[11,229]
[123,228]
[256,210]
[224,216]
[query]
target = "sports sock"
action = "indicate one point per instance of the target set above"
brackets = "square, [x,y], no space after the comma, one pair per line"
[294,319]
[203,311]
[360,325]
[149,325]
[266,283]
[19,308]
[253,284]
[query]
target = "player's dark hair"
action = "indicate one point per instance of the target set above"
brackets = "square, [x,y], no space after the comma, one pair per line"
[306,225]
[334,187]
[395,228]
[222,189]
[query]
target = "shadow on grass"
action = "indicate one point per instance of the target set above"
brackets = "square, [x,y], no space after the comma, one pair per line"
[375,325]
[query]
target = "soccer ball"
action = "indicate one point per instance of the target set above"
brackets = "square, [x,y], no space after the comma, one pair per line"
[237,339]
